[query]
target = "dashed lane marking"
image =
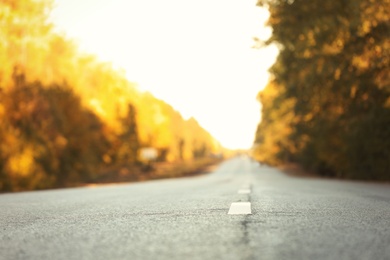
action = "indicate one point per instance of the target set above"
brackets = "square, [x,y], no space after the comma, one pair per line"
[240,208]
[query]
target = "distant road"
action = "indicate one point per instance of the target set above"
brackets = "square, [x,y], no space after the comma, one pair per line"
[291,218]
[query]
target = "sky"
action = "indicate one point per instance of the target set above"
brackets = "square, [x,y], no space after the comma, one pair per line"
[198,56]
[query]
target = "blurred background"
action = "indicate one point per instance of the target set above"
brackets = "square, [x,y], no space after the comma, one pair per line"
[107,91]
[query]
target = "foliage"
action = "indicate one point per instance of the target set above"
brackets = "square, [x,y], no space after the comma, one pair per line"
[128,150]
[48,138]
[327,106]
[66,117]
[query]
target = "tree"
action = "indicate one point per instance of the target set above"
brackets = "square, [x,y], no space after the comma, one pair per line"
[48,138]
[59,127]
[334,66]
[24,30]
[128,152]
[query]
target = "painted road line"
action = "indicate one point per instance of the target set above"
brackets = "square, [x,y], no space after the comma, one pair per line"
[244,191]
[240,208]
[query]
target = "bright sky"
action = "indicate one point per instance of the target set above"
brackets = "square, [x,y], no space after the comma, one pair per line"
[195,55]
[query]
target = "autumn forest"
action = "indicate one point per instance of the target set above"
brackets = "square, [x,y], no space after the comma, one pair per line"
[67,118]
[327,105]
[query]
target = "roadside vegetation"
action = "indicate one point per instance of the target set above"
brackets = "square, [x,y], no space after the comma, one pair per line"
[156,170]
[327,105]
[67,118]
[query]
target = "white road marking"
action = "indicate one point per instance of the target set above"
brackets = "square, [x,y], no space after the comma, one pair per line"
[244,191]
[240,208]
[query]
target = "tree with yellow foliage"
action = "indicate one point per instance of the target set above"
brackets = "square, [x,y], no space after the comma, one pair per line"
[60,127]
[327,107]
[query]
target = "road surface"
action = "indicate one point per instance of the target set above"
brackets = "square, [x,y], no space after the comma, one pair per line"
[291,218]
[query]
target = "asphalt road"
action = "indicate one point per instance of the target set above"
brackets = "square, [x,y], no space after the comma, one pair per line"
[291,218]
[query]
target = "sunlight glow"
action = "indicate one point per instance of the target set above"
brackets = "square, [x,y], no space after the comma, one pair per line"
[195,55]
